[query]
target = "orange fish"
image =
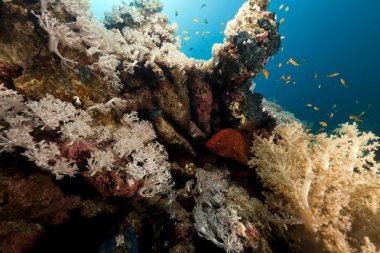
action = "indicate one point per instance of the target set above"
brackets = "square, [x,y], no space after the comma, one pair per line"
[323,124]
[343,83]
[293,62]
[280,65]
[266,74]
[229,142]
[333,75]
[353,117]
[316,108]
[315,76]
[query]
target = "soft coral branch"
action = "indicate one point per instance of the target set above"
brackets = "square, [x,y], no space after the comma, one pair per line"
[319,179]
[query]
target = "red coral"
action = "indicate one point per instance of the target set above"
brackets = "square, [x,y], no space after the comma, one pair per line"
[111,183]
[202,99]
[9,71]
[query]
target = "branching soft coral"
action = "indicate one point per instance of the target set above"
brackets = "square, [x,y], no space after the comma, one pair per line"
[320,181]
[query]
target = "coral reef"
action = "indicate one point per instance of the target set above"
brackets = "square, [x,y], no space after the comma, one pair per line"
[321,182]
[105,130]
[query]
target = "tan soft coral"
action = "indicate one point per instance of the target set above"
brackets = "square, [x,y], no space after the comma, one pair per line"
[321,181]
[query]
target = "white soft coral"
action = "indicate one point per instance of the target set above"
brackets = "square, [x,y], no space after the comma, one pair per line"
[320,180]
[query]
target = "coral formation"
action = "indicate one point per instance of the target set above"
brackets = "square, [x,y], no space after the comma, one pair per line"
[121,118]
[320,181]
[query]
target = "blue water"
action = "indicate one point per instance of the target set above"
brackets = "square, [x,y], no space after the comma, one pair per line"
[332,36]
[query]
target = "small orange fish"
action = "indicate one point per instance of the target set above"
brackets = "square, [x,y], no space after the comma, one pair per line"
[266,74]
[308,130]
[333,75]
[315,76]
[184,32]
[343,83]
[321,129]
[331,115]
[281,6]
[316,108]
[187,38]
[353,117]
[323,124]
[282,21]
[196,20]
[309,105]
[293,62]
[280,65]
[287,8]
[229,142]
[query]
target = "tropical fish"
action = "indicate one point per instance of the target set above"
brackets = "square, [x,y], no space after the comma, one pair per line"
[323,123]
[316,108]
[281,6]
[331,115]
[334,106]
[282,49]
[282,37]
[229,142]
[353,117]
[222,23]
[203,5]
[196,20]
[321,129]
[308,130]
[205,21]
[197,32]
[280,65]
[287,8]
[315,75]
[293,62]
[266,74]
[282,20]
[186,38]
[309,105]
[333,75]
[343,83]
[184,32]
[176,13]
[361,114]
